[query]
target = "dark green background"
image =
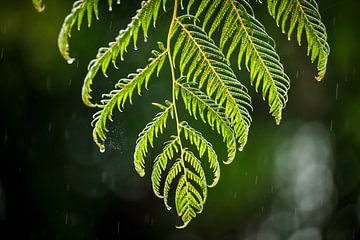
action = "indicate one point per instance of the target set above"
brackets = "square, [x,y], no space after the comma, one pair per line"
[299,180]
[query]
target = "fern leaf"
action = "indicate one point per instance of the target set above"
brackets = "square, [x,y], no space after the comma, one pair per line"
[203,146]
[188,200]
[305,14]
[123,92]
[241,30]
[197,102]
[207,64]
[146,137]
[148,11]
[76,15]
[38,5]
[171,148]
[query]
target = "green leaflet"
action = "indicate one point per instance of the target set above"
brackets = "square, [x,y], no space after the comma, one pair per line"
[148,12]
[146,137]
[305,14]
[124,90]
[207,66]
[76,15]
[201,40]
[255,46]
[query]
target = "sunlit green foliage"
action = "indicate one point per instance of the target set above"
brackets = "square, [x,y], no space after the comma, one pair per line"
[201,40]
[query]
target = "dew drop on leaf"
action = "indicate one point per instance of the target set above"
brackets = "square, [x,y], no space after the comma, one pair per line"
[102,149]
[70,60]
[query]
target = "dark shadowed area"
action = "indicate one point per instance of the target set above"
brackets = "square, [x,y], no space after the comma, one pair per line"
[296,181]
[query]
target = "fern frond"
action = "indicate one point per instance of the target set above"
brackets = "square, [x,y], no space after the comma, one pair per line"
[242,31]
[76,15]
[146,137]
[148,11]
[205,63]
[197,102]
[188,200]
[38,5]
[160,164]
[203,146]
[305,14]
[123,92]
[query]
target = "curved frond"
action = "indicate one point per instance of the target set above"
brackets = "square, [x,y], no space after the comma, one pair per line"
[38,5]
[241,30]
[197,102]
[148,12]
[123,92]
[203,146]
[160,164]
[205,63]
[188,200]
[146,137]
[305,14]
[76,15]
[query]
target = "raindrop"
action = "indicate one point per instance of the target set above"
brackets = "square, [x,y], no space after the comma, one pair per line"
[103,176]
[256,180]
[135,48]
[66,218]
[241,149]
[67,187]
[5,138]
[70,60]
[331,125]
[110,8]
[48,83]
[2,53]
[337,91]
[50,126]
[118,227]
[70,82]
[118,2]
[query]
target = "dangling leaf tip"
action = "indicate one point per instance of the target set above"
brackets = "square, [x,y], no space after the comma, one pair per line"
[39,5]
[183,226]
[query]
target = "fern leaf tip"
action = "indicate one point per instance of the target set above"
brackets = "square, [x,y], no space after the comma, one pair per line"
[184,225]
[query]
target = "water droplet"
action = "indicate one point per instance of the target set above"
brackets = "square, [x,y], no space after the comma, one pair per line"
[66,218]
[118,227]
[135,48]
[110,8]
[102,149]
[256,180]
[118,2]
[70,60]
[331,125]
[241,149]
[337,91]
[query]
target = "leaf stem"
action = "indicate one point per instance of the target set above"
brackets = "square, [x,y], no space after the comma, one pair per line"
[178,127]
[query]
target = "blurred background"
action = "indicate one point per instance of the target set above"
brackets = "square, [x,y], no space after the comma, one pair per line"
[296,181]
